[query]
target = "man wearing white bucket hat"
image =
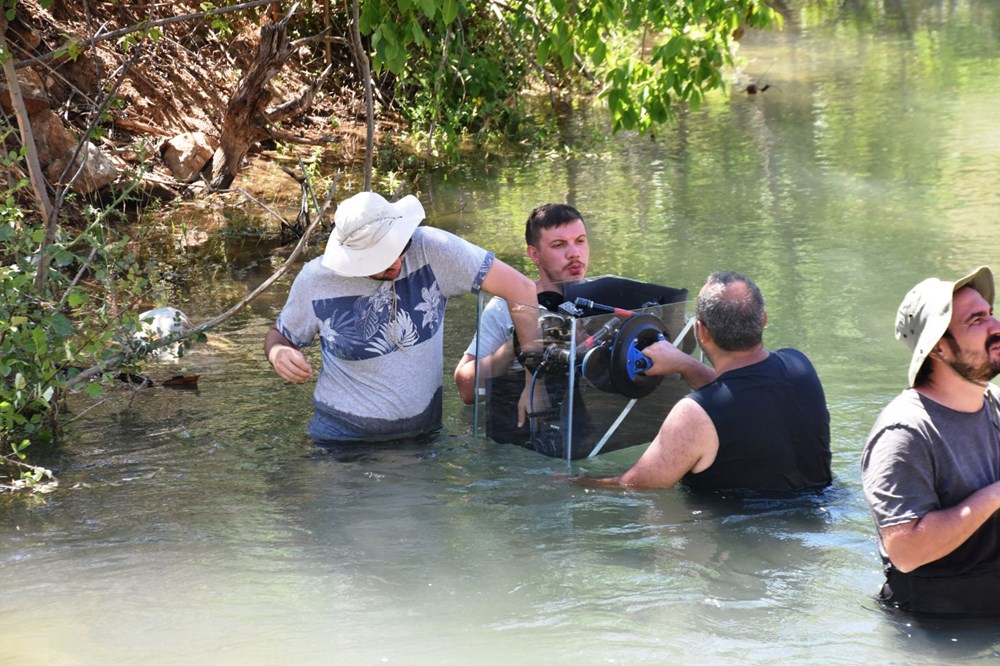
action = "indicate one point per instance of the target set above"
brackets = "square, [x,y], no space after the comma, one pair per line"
[376,300]
[931,466]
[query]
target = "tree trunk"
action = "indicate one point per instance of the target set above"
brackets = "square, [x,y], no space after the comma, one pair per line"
[245,122]
[366,77]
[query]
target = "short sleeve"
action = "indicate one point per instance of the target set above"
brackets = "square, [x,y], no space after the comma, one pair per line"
[898,476]
[494,327]
[297,321]
[459,266]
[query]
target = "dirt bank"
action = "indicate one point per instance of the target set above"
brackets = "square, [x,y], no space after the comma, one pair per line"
[142,90]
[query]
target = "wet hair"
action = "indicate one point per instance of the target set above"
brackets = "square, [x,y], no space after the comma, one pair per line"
[735,320]
[548,216]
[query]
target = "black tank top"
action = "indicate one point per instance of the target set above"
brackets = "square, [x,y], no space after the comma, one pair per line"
[773,427]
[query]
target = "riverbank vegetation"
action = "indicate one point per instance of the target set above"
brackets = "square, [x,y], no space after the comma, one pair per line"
[111,108]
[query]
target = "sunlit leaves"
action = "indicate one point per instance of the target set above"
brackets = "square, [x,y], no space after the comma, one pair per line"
[460,63]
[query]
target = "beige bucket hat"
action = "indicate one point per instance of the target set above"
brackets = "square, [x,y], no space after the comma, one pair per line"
[925,313]
[370,233]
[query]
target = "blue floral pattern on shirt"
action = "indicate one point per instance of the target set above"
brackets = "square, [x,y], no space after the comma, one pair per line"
[355,328]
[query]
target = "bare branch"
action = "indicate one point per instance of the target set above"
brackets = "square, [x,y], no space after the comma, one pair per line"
[27,138]
[366,77]
[104,366]
[145,25]
[300,103]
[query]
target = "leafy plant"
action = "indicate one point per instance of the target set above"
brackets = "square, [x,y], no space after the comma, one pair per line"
[79,322]
[462,66]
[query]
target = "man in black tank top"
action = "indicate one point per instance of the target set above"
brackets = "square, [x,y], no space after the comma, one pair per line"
[757,421]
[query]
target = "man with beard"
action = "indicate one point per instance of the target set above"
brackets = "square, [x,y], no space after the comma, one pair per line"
[556,238]
[931,467]
[376,299]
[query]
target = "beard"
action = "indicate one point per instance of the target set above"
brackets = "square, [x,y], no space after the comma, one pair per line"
[980,372]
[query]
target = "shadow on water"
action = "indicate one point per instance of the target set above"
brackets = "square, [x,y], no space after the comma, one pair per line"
[944,640]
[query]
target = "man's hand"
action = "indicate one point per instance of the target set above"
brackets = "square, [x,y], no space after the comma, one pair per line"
[541,399]
[668,359]
[290,363]
[286,359]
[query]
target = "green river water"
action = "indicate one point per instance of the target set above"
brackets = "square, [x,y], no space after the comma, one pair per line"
[200,527]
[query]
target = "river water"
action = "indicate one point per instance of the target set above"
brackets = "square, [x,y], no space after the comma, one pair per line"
[202,527]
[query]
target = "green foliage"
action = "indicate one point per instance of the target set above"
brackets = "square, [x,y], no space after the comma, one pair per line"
[10,7]
[218,22]
[133,38]
[80,316]
[462,65]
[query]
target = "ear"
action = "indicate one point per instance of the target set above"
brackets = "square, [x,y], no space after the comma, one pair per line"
[532,253]
[701,333]
[765,318]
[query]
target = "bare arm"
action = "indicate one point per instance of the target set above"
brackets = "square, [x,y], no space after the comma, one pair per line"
[668,359]
[938,533]
[687,442]
[522,301]
[465,373]
[286,359]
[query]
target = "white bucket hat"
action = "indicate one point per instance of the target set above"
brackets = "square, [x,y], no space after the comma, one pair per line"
[925,313]
[370,233]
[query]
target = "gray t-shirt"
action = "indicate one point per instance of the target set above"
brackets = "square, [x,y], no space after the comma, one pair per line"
[381,341]
[922,456]
[494,330]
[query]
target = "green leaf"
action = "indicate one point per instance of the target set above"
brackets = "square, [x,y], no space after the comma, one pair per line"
[61,325]
[428,7]
[543,50]
[566,54]
[369,17]
[418,33]
[450,11]
[599,53]
[40,339]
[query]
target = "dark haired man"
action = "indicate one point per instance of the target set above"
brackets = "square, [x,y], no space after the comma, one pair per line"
[556,238]
[931,467]
[757,422]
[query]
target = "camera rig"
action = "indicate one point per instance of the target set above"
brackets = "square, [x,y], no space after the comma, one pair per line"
[609,359]
[591,367]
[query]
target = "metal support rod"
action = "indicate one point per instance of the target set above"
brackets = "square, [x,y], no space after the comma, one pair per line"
[572,378]
[631,403]
[475,376]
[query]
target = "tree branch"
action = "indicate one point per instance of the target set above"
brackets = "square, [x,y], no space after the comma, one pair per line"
[35,174]
[366,77]
[142,26]
[104,366]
